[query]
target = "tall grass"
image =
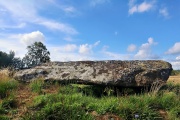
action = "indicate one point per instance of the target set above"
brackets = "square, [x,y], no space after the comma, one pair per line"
[78,102]
[7,84]
[37,85]
[72,103]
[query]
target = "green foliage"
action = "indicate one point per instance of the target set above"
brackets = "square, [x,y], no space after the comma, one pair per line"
[36,85]
[2,117]
[2,110]
[78,102]
[174,113]
[9,103]
[168,100]
[37,54]
[6,59]
[175,72]
[17,63]
[6,106]
[6,86]
[73,103]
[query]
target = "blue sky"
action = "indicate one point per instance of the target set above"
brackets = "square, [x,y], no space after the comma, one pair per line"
[93,29]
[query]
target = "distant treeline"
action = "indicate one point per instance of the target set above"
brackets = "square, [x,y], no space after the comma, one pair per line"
[6,59]
[175,72]
[37,54]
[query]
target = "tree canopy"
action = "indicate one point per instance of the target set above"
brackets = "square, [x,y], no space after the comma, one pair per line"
[37,54]
[6,59]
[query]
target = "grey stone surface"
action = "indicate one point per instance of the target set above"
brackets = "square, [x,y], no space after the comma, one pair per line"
[114,72]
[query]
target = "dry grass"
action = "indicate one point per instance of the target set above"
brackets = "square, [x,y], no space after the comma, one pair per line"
[174,79]
[4,75]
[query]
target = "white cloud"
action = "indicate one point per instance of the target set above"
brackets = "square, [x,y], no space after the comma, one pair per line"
[114,56]
[65,48]
[131,48]
[20,25]
[27,12]
[96,43]
[70,47]
[164,12]
[67,52]
[65,28]
[176,65]
[72,52]
[145,51]
[97,2]
[66,56]
[85,49]
[30,38]
[139,8]
[68,38]
[175,49]
[19,9]
[11,42]
[19,42]
[178,58]
[69,9]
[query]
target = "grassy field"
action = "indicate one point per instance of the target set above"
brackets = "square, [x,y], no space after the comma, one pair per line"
[51,101]
[174,79]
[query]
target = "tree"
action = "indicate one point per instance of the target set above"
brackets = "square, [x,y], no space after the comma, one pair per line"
[17,63]
[37,54]
[6,60]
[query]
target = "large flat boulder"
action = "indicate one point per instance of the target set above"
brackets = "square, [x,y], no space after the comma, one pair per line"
[114,72]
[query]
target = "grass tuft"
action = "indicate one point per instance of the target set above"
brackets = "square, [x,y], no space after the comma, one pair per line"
[37,85]
[7,84]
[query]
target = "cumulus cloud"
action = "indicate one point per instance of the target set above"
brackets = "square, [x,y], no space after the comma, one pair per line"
[73,52]
[11,44]
[85,49]
[175,49]
[131,48]
[30,38]
[139,8]
[19,42]
[145,51]
[164,12]
[68,52]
